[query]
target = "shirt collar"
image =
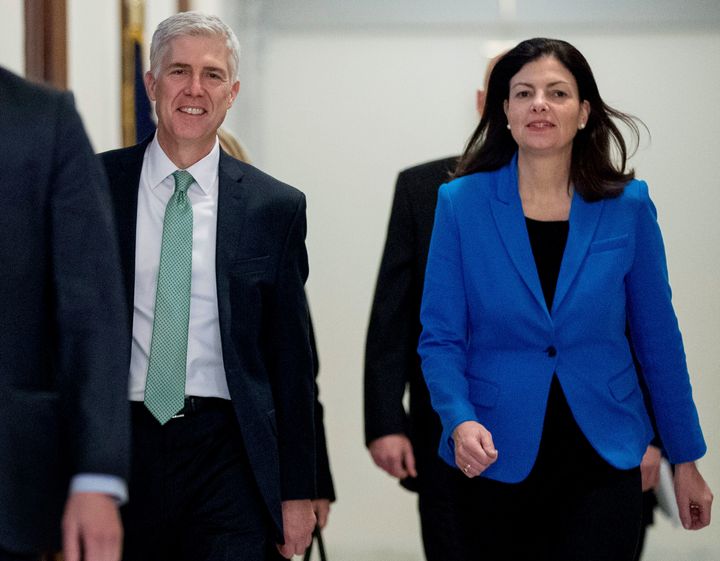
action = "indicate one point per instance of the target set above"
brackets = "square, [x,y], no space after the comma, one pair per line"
[204,171]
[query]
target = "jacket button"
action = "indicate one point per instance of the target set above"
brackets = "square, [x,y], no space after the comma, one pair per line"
[551,351]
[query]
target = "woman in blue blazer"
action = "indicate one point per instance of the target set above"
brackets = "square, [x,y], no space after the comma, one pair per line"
[545,248]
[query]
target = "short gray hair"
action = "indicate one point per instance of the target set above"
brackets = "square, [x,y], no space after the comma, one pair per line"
[193,24]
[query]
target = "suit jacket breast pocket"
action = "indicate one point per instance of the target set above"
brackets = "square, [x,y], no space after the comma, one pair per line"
[250,265]
[609,244]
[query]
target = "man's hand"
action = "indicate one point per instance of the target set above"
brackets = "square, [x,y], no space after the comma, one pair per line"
[321,508]
[694,498]
[474,448]
[91,528]
[394,454]
[298,523]
[650,468]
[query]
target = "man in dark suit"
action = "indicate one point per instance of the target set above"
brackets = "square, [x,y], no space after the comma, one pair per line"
[404,443]
[221,373]
[63,420]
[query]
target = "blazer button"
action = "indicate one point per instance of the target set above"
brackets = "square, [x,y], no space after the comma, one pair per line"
[551,351]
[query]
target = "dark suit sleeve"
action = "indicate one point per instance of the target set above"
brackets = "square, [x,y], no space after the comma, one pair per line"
[325,487]
[291,368]
[91,342]
[390,350]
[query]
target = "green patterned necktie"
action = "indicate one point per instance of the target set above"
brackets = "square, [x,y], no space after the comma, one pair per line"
[165,386]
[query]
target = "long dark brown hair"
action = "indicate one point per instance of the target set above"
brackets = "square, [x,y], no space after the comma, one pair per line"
[599,153]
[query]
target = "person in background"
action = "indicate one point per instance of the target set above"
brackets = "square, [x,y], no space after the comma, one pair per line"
[543,249]
[64,427]
[232,145]
[221,369]
[404,443]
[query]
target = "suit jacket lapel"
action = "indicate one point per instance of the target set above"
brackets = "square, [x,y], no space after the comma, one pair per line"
[510,222]
[231,211]
[584,218]
[231,215]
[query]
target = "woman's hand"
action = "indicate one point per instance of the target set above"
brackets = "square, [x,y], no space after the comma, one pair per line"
[694,498]
[474,448]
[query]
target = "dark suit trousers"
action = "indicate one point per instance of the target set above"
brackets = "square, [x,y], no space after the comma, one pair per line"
[446,512]
[192,493]
[7,556]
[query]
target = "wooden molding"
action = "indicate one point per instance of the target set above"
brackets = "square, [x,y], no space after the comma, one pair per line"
[132,22]
[46,42]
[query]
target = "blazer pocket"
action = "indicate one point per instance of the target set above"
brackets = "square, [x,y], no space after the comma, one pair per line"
[483,393]
[250,265]
[609,244]
[624,384]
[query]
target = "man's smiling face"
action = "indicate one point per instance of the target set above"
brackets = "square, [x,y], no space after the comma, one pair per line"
[193,91]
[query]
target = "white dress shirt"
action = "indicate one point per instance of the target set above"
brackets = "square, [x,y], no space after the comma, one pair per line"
[205,369]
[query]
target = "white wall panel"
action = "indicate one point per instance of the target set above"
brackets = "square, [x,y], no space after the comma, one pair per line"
[94,68]
[12,46]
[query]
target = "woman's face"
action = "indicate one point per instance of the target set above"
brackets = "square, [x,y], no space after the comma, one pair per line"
[544,109]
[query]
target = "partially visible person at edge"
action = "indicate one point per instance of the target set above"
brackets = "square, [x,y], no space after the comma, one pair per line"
[543,249]
[325,490]
[64,427]
[221,370]
[404,443]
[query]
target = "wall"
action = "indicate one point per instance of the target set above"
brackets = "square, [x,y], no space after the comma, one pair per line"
[94,68]
[12,50]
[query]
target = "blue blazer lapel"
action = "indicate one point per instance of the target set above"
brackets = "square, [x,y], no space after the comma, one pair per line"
[510,222]
[584,218]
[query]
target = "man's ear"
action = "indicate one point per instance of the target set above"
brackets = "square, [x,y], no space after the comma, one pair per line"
[234,90]
[149,80]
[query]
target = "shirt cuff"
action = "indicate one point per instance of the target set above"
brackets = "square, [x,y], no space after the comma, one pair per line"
[100,483]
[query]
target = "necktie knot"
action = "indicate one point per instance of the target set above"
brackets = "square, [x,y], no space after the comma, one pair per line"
[183,180]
